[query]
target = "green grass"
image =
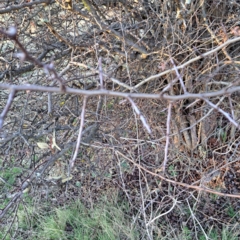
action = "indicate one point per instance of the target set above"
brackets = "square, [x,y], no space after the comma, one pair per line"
[8,179]
[106,221]
[225,234]
[231,212]
[10,174]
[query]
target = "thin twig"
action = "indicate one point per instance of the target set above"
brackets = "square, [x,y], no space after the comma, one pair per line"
[7,106]
[194,218]
[80,133]
[179,76]
[198,188]
[222,112]
[167,137]
[100,72]
[144,122]
[104,74]
[188,62]
[225,44]
[174,204]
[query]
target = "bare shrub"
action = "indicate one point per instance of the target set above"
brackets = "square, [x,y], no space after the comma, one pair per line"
[139,95]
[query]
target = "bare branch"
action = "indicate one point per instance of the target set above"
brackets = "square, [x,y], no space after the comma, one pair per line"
[39,88]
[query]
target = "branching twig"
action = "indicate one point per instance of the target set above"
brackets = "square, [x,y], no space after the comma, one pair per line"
[25,56]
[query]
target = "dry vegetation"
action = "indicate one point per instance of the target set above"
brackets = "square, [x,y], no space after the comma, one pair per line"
[136,99]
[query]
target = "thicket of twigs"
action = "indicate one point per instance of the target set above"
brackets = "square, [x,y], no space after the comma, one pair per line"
[136,97]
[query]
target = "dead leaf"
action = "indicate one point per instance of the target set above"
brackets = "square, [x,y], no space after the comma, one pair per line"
[67,179]
[42,145]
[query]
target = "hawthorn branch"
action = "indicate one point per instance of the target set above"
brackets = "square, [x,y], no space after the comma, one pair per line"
[38,88]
